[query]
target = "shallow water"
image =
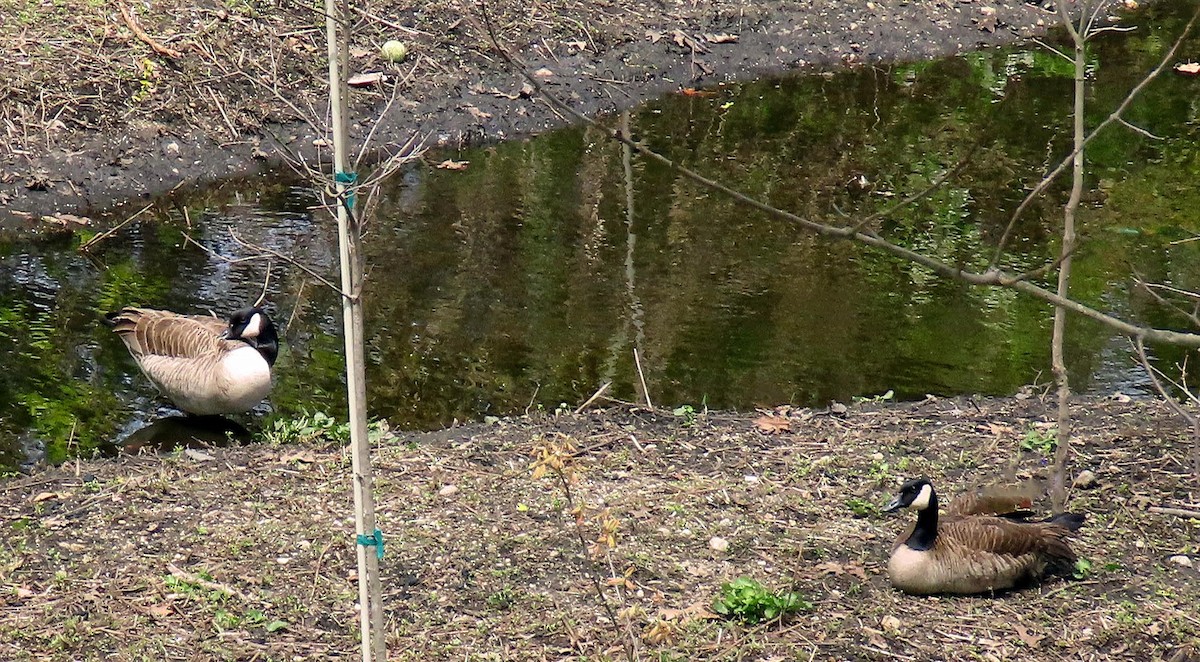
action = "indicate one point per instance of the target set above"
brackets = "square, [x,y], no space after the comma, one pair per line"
[523,282]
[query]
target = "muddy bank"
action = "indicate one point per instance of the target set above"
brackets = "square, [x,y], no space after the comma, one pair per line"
[95,116]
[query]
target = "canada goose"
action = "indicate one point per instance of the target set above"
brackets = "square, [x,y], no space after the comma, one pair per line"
[975,553]
[1013,501]
[202,364]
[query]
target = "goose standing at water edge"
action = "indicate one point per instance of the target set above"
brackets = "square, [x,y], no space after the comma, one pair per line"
[203,365]
[976,553]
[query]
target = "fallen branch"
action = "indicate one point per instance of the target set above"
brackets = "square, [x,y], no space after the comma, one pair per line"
[131,22]
[600,391]
[1181,512]
[87,245]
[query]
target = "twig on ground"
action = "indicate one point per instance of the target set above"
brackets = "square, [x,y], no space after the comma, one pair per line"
[193,578]
[132,24]
[600,391]
[233,134]
[91,243]
[1180,512]
[642,377]
[391,24]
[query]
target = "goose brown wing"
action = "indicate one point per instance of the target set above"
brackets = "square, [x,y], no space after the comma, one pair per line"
[160,333]
[214,324]
[1006,537]
[1015,501]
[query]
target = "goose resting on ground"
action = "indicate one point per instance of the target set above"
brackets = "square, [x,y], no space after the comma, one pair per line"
[976,553]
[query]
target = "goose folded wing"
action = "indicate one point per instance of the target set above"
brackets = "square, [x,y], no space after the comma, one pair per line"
[1010,538]
[1012,501]
[215,325]
[177,337]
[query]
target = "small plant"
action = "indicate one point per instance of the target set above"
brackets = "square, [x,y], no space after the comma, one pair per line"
[146,81]
[556,459]
[861,507]
[880,469]
[306,428]
[687,413]
[1040,440]
[312,427]
[746,600]
[502,599]
[1083,568]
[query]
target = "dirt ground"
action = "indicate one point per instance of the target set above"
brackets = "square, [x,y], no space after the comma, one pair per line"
[247,553]
[108,103]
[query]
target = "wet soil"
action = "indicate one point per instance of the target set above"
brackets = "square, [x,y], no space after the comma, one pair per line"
[248,553]
[107,104]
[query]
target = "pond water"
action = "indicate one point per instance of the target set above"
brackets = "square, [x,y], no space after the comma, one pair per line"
[525,281]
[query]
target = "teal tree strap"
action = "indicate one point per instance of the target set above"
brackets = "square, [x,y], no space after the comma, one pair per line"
[349,178]
[375,540]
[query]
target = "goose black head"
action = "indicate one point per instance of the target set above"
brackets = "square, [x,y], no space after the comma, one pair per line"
[916,494]
[252,326]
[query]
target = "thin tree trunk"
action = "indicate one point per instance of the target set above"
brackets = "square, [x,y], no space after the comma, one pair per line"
[350,240]
[1058,492]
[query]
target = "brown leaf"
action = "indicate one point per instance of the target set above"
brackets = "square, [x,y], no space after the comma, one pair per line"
[988,22]
[23,592]
[1030,639]
[366,80]
[772,424]
[451,164]
[683,40]
[66,219]
[544,73]
[654,36]
[161,611]
[830,568]
[306,457]
[875,637]
[659,632]
[999,430]
[46,496]
[720,38]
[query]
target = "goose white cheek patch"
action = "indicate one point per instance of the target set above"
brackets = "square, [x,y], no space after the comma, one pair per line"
[253,327]
[922,500]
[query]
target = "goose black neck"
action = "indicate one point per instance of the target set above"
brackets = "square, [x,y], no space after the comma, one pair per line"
[267,343]
[926,529]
